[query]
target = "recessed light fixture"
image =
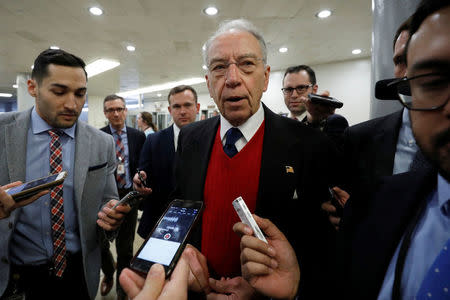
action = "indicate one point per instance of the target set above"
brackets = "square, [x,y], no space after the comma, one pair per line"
[96,11]
[6,95]
[159,94]
[131,48]
[15,86]
[162,87]
[32,67]
[54,47]
[100,66]
[323,14]
[211,11]
[356,51]
[283,49]
[204,67]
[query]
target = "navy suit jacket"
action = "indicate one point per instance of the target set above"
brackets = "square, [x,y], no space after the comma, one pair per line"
[157,158]
[286,143]
[368,247]
[136,139]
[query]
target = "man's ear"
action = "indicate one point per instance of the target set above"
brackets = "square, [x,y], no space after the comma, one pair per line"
[32,87]
[315,88]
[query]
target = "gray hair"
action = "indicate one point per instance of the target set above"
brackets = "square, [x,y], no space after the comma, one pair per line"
[238,25]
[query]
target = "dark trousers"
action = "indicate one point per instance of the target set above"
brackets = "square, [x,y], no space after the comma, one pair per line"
[40,282]
[124,246]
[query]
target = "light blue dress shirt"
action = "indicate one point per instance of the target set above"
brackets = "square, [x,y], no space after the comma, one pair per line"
[406,146]
[31,241]
[124,137]
[430,235]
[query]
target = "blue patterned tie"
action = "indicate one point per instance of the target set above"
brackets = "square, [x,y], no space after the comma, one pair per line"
[233,134]
[436,284]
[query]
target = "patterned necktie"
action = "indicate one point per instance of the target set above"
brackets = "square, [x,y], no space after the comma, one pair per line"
[120,155]
[436,283]
[57,206]
[233,134]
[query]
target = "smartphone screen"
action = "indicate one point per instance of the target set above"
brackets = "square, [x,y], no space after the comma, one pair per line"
[166,242]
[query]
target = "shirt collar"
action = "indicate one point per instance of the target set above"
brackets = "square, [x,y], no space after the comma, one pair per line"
[38,125]
[248,129]
[176,130]
[299,117]
[443,190]
[406,121]
[123,130]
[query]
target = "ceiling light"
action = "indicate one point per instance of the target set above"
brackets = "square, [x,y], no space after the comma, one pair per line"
[15,86]
[100,66]
[131,48]
[159,94]
[54,47]
[6,95]
[324,14]
[96,11]
[283,50]
[356,51]
[204,67]
[162,87]
[211,11]
[32,67]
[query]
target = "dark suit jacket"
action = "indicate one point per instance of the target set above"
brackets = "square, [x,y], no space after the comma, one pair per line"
[157,158]
[136,139]
[369,246]
[334,128]
[286,143]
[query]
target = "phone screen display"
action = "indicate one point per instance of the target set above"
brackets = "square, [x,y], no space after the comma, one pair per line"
[165,240]
[32,184]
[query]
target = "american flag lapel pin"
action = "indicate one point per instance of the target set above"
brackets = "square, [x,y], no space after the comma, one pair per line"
[289,169]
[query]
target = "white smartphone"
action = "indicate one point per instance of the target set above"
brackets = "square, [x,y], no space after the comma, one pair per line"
[247,218]
[30,188]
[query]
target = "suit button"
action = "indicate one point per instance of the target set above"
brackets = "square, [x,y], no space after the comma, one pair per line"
[5,260]
[10,225]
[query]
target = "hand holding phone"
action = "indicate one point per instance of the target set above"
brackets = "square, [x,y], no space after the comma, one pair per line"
[324,100]
[131,199]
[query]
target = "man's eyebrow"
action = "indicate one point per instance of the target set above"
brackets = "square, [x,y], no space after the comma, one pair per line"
[437,64]
[242,56]
[59,85]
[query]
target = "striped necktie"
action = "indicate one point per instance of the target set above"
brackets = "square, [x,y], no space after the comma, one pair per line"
[120,155]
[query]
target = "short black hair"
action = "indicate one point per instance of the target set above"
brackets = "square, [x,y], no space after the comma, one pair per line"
[297,69]
[112,97]
[57,57]
[403,27]
[180,89]
[424,9]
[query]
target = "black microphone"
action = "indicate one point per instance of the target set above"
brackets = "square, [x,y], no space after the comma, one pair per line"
[385,92]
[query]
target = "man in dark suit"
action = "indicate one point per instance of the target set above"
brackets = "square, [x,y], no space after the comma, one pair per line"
[129,142]
[401,250]
[158,154]
[277,165]
[298,82]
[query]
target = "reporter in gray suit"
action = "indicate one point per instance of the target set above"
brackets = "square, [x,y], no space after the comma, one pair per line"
[51,247]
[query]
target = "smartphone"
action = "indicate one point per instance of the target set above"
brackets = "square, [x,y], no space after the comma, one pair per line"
[31,188]
[329,101]
[131,198]
[143,182]
[168,238]
[335,203]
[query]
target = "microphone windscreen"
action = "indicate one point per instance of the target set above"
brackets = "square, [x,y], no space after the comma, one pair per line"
[385,92]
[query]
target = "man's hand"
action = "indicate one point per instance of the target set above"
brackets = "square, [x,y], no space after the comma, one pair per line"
[234,288]
[7,203]
[341,197]
[317,112]
[110,219]
[271,269]
[154,286]
[198,270]
[137,185]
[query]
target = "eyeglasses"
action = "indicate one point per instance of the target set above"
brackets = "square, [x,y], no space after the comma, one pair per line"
[431,91]
[300,89]
[113,110]
[246,65]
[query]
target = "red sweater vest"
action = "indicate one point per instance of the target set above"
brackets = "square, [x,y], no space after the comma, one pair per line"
[228,178]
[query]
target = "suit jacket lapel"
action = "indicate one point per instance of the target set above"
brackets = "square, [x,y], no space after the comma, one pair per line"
[16,146]
[82,158]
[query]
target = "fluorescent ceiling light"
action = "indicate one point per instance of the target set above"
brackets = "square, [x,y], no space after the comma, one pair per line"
[323,14]
[162,87]
[96,11]
[356,51]
[131,48]
[283,49]
[100,65]
[6,95]
[54,47]
[211,11]
[15,86]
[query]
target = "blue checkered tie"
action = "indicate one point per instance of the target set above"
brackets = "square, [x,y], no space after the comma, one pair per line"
[233,134]
[436,284]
